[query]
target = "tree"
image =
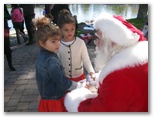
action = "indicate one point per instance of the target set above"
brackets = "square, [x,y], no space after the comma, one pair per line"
[143,11]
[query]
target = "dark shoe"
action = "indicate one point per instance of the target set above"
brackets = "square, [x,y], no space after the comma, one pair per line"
[12,68]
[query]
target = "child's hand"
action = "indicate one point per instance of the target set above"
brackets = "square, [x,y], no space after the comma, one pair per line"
[92,75]
[82,83]
[87,86]
[90,81]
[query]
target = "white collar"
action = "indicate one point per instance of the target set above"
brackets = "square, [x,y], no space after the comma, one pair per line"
[68,43]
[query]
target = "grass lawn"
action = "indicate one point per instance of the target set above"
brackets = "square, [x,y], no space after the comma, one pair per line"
[137,22]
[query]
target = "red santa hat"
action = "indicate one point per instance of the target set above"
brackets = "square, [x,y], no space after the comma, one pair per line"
[118,29]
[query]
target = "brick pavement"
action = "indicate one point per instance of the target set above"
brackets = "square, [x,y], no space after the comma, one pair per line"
[20,89]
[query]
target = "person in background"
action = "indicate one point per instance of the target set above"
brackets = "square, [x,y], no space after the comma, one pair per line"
[7,49]
[17,20]
[122,56]
[50,76]
[29,15]
[56,9]
[22,27]
[73,51]
[44,11]
[48,8]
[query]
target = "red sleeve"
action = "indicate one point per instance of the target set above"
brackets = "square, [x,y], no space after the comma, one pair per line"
[110,98]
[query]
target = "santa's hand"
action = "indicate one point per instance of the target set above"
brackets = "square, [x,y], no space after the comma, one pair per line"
[82,83]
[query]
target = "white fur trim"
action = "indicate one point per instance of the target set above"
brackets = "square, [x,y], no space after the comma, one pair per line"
[73,98]
[130,57]
[115,30]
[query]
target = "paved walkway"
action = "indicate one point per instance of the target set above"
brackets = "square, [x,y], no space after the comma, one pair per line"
[20,89]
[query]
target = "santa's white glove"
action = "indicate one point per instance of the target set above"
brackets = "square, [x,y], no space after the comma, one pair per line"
[81,83]
[97,79]
[90,81]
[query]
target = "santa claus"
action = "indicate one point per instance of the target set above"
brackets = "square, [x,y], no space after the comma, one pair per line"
[122,57]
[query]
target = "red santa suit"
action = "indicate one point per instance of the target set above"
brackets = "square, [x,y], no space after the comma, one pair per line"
[123,82]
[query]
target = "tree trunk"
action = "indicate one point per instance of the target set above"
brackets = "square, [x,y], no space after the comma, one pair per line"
[143,11]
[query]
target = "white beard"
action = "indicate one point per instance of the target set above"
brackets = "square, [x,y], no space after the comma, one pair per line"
[101,59]
[105,53]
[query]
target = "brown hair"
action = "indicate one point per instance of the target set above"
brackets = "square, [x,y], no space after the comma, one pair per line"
[65,17]
[45,29]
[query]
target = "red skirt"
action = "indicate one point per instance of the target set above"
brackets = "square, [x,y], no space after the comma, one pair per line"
[52,105]
[78,78]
